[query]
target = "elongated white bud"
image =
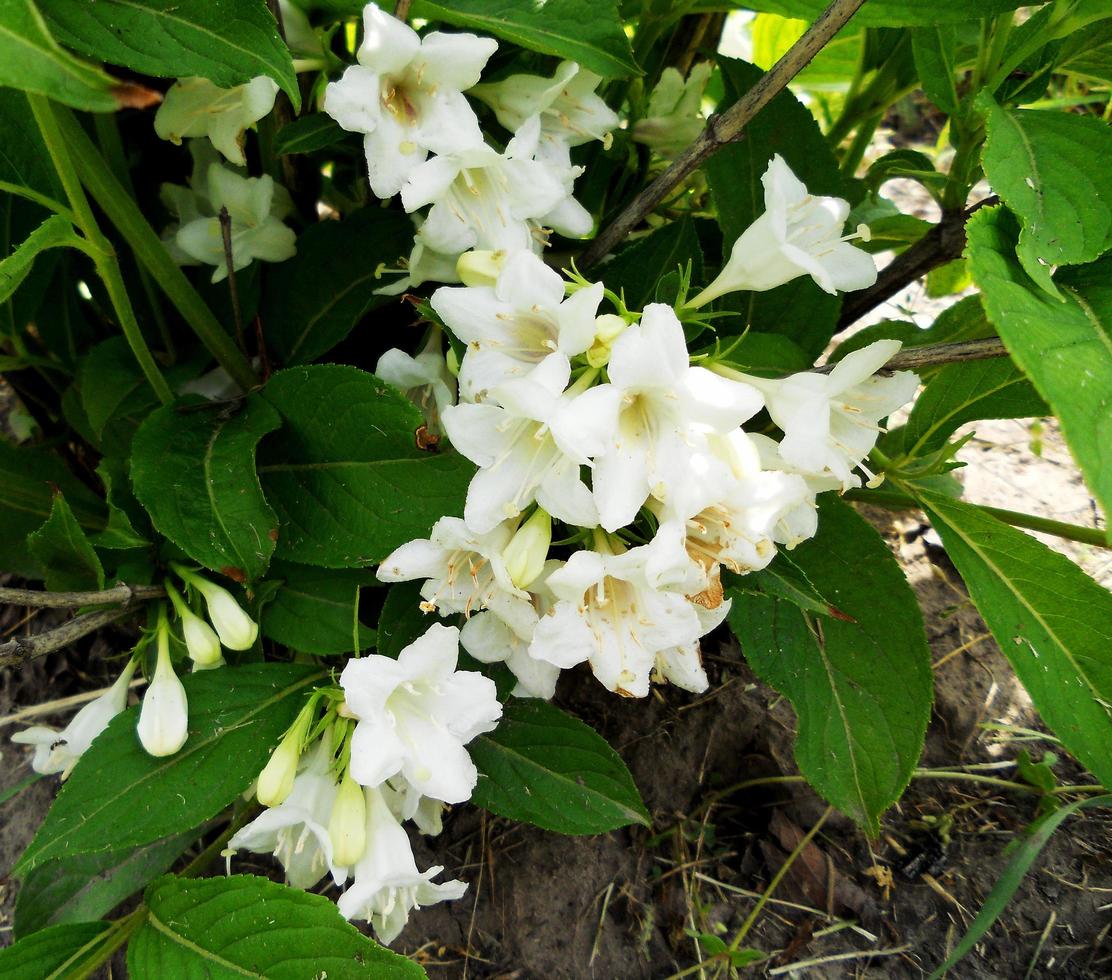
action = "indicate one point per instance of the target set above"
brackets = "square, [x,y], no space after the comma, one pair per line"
[237,630]
[276,779]
[347,826]
[480,268]
[164,717]
[526,553]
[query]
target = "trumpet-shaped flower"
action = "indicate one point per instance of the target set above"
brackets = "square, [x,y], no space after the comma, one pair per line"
[683,665]
[515,324]
[405,95]
[652,406]
[830,421]
[485,199]
[674,119]
[296,831]
[197,107]
[407,803]
[528,447]
[606,613]
[570,112]
[425,379]
[387,884]
[798,235]
[164,716]
[491,641]
[58,751]
[416,714]
[465,572]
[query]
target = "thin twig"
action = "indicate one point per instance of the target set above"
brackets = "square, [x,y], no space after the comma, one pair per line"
[401,10]
[122,594]
[725,128]
[932,355]
[943,243]
[226,234]
[24,648]
[856,954]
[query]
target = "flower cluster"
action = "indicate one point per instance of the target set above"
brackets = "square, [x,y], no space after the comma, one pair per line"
[388,747]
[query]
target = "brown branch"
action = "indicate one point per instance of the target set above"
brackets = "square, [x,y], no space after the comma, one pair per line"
[914,358]
[725,128]
[24,648]
[121,594]
[226,234]
[943,243]
[401,10]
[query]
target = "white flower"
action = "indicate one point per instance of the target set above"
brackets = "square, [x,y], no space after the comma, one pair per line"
[407,803]
[485,199]
[296,831]
[423,265]
[237,630]
[570,112]
[255,205]
[653,403]
[520,439]
[465,573]
[59,751]
[512,326]
[798,235]
[830,421]
[606,612]
[197,107]
[406,96]
[164,716]
[425,379]
[674,118]
[490,641]
[416,714]
[387,883]
[683,665]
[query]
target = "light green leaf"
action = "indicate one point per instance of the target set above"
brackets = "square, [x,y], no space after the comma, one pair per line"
[831,70]
[54,232]
[551,770]
[1065,347]
[350,491]
[1053,622]
[228,42]
[236,717]
[1041,164]
[861,689]
[587,31]
[193,469]
[52,954]
[316,610]
[64,551]
[244,926]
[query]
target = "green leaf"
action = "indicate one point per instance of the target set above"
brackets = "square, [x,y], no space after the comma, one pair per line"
[351,491]
[52,954]
[34,62]
[228,42]
[546,768]
[236,717]
[313,132]
[965,320]
[862,688]
[244,926]
[1065,348]
[636,270]
[1022,857]
[312,301]
[124,511]
[85,887]
[832,68]
[401,620]
[29,478]
[1041,164]
[64,551]
[587,31]
[968,392]
[193,469]
[1053,622]
[54,232]
[114,393]
[784,579]
[934,51]
[316,610]
[798,309]
[877,13]
[765,354]
[1088,53]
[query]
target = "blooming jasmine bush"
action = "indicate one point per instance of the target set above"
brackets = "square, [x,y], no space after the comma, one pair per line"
[593,276]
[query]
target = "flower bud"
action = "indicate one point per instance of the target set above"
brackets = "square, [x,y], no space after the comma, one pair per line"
[526,553]
[237,630]
[200,640]
[347,826]
[164,717]
[276,779]
[480,268]
[608,328]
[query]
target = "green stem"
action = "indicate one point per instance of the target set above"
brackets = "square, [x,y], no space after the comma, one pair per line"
[47,202]
[855,153]
[108,942]
[108,268]
[214,850]
[1071,532]
[148,248]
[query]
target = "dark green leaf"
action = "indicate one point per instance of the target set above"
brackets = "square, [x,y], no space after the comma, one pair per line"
[1053,622]
[193,469]
[114,393]
[965,320]
[1064,347]
[53,954]
[784,579]
[861,688]
[236,716]
[313,132]
[934,51]
[764,354]
[312,301]
[124,511]
[64,551]
[345,491]
[228,42]
[548,769]
[635,271]
[587,31]
[316,610]
[242,926]
[402,620]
